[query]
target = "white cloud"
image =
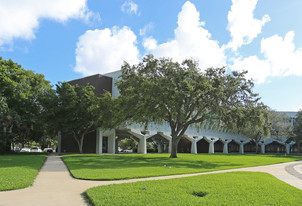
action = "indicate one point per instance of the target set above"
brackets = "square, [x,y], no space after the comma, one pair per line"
[242,24]
[281,54]
[103,51]
[148,27]
[130,7]
[299,108]
[280,59]
[20,19]
[150,43]
[191,41]
[258,70]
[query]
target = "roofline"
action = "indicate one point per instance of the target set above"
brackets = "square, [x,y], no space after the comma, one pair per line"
[85,77]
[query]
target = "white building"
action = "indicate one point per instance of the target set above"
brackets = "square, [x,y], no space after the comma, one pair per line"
[208,139]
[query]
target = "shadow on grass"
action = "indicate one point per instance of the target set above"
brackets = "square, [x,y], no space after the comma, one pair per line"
[22,160]
[184,161]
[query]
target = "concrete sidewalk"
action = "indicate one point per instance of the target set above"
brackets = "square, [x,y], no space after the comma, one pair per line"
[55,186]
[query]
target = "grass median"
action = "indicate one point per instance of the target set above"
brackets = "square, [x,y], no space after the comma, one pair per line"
[233,188]
[19,170]
[128,166]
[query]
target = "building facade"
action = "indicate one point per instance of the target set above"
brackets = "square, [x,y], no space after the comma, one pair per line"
[207,139]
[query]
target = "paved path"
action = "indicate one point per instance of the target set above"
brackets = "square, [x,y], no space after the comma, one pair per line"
[55,186]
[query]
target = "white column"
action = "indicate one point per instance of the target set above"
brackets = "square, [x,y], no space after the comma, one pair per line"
[262,148]
[194,147]
[225,146]
[241,148]
[142,145]
[111,142]
[59,142]
[211,146]
[160,147]
[287,146]
[99,141]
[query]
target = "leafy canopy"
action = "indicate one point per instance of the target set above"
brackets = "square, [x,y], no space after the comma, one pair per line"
[21,89]
[79,111]
[180,94]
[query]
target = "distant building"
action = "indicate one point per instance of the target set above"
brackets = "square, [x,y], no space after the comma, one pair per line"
[208,140]
[291,117]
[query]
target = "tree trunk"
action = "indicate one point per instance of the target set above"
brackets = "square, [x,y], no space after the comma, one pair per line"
[175,141]
[257,147]
[80,142]
[8,146]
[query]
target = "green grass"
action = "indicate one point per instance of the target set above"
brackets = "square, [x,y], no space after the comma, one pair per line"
[127,166]
[19,171]
[234,188]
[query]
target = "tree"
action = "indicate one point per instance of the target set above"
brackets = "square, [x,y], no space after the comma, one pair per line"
[21,89]
[79,111]
[254,122]
[297,129]
[127,144]
[162,90]
[8,119]
[279,129]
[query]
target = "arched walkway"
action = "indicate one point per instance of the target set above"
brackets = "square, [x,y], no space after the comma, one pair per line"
[251,147]
[294,148]
[202,146]
[233,147]
[127,146]
[162,144]
[184,145]
[275,147]
[122,135]
[218,146]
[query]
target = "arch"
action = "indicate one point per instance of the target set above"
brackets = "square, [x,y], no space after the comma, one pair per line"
[184,145]
[218,146]
[119,139]
[275,147]
[233,147]
[202,146]
[294,148]
[122,134]
[161,143]
[251,147]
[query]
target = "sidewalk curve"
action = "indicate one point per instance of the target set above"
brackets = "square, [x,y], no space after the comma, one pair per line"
[55,186]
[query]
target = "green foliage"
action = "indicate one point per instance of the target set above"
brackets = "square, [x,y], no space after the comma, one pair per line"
[234,188]
[127,143]
[19,171]
[77,110]
[279,128]
[128,166]
[298,125]
[162,90]
[297,130]
[253,121]
[21,89]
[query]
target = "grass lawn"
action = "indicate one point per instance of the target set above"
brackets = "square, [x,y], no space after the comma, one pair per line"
[127,166]
[234,188]
[19,171]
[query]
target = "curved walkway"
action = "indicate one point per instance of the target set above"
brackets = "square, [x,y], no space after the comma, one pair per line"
[55,186]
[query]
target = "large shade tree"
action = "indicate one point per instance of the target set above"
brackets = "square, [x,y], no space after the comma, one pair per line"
[279,129]
[254,122]
[21,89]
[297,129]
[77,110]
[179,93]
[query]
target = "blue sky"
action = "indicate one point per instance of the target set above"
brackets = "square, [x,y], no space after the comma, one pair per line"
[68,39]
